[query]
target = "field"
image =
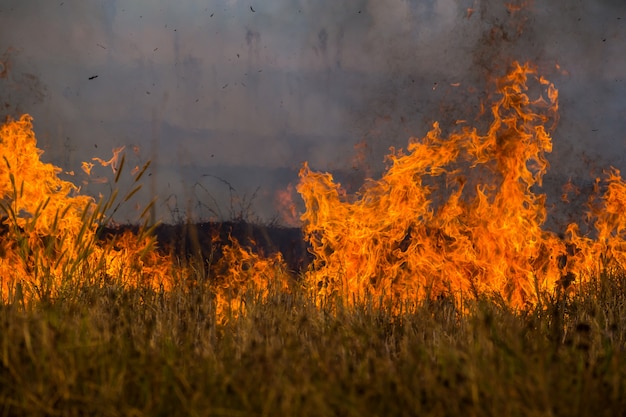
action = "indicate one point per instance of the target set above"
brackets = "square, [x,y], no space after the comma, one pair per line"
[111,351]
[435,290]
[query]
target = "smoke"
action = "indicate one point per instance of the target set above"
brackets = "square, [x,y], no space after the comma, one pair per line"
[246,91]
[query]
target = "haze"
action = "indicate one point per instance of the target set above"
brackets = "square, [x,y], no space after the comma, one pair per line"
[229,98]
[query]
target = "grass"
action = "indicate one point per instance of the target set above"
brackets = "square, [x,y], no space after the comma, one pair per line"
[106,350]
[83,333]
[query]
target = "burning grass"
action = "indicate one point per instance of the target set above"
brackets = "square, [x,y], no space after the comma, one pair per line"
[457,215]
[434,290]
[53,238]
[462,214]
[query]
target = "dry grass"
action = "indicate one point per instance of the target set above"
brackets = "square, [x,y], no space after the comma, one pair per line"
[93,328]
[112,351]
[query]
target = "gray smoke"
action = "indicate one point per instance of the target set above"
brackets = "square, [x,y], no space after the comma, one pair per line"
[229,97]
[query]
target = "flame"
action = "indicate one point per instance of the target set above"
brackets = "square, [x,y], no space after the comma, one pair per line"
[568,189]
[456,214]
[87,167]
[606,250]
[460,214]
[240,270]
[114,162]
[286,206]
[52,239]
[51,231]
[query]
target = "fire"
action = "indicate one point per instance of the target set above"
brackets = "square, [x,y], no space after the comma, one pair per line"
[456,214]
[286,206]
[114,162]
[240,270]
[53,242]
[460,214]
[50,239]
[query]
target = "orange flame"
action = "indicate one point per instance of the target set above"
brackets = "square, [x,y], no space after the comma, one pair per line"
[286,206]
[50,232]
[456,214]
[51,242]
[459,214]
[240,270]
[114,161]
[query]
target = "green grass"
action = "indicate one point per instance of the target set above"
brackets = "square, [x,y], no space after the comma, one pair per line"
[110,351]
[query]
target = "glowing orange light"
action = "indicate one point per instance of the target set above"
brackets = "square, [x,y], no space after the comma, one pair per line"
[114,161]
[459,214]
[51,239]
[286,206]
